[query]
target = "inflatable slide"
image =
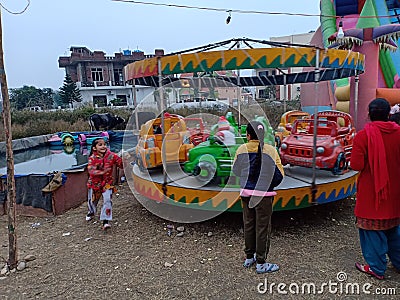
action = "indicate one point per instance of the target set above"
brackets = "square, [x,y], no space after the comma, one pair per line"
[370,27]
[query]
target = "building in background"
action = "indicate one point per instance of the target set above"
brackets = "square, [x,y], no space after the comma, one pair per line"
[291,91]
[100,78]
[227,94]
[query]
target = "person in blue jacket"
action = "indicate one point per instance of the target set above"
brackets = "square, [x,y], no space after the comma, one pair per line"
[260,170]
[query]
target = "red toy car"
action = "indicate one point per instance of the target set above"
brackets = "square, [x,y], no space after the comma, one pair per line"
[335,133]
[197,130]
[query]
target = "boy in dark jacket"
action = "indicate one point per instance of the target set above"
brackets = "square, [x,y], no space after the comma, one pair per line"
[260,170]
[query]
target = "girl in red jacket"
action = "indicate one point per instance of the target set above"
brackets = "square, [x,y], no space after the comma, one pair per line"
[376,154]
[100,183]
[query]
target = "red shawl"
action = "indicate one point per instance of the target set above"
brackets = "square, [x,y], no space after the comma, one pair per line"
[377,157]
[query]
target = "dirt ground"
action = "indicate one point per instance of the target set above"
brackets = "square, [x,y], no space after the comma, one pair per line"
[137,259]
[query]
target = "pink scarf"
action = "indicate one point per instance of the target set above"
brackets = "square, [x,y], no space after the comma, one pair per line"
[377,157]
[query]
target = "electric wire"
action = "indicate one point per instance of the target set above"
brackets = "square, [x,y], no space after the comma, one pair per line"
[240,11]
[16,13]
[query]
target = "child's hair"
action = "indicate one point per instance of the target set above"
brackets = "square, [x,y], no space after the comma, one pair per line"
[94,144]
[256,131]
[379,109]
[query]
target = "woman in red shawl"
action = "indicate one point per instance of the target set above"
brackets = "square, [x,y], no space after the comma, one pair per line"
[376,154]
[100,183]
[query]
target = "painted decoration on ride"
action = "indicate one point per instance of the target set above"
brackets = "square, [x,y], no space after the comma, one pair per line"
[228,199]
[142,68]
[259,58]
[246,59]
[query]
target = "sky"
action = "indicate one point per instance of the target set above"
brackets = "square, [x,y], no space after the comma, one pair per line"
[34,40]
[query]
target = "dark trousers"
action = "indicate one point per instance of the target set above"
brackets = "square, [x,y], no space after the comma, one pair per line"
[257,228]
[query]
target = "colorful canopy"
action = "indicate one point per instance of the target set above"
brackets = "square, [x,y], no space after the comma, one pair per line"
[330,60]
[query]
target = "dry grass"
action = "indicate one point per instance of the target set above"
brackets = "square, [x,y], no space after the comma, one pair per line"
[27,123]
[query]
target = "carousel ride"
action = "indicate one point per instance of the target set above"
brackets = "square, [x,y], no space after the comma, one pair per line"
[191,183]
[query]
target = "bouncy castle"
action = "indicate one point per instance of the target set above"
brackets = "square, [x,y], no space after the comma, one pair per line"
[370,27]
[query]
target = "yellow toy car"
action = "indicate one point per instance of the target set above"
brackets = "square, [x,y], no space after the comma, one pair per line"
[288,118]
[148,152]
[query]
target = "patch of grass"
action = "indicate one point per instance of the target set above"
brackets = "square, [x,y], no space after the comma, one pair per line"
[29,123]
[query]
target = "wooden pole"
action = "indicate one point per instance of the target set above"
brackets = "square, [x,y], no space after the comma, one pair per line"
[11,198]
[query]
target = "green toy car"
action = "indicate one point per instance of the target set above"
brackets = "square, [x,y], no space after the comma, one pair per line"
[213,159]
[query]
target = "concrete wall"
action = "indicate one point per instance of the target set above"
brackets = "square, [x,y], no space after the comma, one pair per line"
[25,143]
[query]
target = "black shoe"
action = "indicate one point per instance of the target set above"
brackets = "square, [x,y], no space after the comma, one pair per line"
[89,216]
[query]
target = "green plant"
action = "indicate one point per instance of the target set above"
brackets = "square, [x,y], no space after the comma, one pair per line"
[118,102]
[69,92]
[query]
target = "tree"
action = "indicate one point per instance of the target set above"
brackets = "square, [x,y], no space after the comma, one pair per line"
[270,92]
[46,98]
[69,92]
[29,96]
[57,99]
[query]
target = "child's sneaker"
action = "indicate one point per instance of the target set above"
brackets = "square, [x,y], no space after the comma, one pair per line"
[89,216]
[249,262]
[266,268]
[106,225]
